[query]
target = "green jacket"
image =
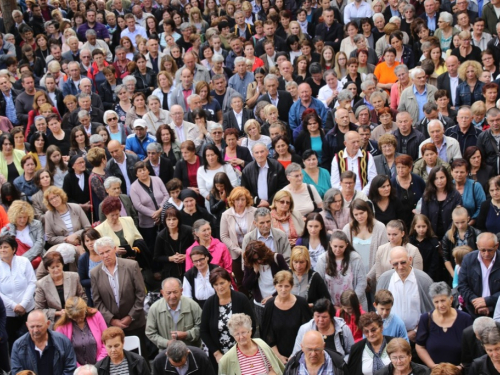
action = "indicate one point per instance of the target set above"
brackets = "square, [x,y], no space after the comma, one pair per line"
[229,365]
[420,169]
[490,19]
[160,324]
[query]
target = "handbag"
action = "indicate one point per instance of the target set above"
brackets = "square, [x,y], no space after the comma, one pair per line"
[316,208]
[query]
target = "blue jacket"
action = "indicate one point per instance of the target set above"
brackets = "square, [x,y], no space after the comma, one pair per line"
[470,282]
[139,147]
[23,357]
[473,197]
[295,115]
[465,97]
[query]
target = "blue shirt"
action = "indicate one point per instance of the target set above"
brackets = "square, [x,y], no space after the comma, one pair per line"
[295,115]
[442,151]
[421,100]
[395,327]
[10,109]
[240,84]
[431,22]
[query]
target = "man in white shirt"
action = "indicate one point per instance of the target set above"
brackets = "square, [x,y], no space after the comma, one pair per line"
[140,16]
[328,93]
[121,165]
[356,10]
[133,29]
[185,131]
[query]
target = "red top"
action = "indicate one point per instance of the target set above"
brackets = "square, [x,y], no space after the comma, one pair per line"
[356,332]
[192,172]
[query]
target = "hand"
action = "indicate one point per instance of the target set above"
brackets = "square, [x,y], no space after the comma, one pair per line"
[19,310]
[218,356]
[65,159]
[156,215]
[121,251]
[126,321]
[223,195]
[86,206]
[236,162]
[283,359]
[73,239]
[196,190]
[292,241]
[479,303]
[117,323]
[412,335]
[483,311]
[263,203]
[179,335]
[334,94]
[60,312]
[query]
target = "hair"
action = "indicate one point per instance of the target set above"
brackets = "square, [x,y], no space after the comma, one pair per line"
[239,320]
[95,156]
[50,164]
[377,183]
[160,130]
[384,297]
[237,193]
[9,240]
[398,344]
[72,138]
[38,94]
[259,249]
[92,234]
[52,257]
[360,204]
[323,236]
[300,253]
[217,273]
[18,208]
[221,178]
[280,195]
[446,369]
[173,184]
[36,178]
[283,276]
[439,289]
[401,226]
[430,188]
[349,298]
[53,190]
[429,233]
[74,307]
[331,266]
[113,332]
[469,63]
[458,211]
[110,204]
[406,160]
[460,252]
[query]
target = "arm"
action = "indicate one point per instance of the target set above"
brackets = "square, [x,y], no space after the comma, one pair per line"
[29,274]
[69,358]
[139,289]
[372,172]
[152,330]
[421,339]
[186,289]
[226,238]
[464,288]
[83,272]
[98,302]
[42,304]
[38,242]
[479,198]
[202,183]
[194,333]
[138,205]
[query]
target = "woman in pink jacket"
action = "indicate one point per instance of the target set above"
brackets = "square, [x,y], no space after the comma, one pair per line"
[84,326]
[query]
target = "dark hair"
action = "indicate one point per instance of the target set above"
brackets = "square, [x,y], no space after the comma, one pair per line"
[460,163]
[231,131]
[173,184]
[9,240]
[110,204]
[278,138]
[216,151]
[291,40]
[91,234]
[201,250]
[170,130]
[404,159]
[350,298]
[7,136]
[51,258]
[308,153]
[217,273]
[367,20]
[377,182]
[360,204]
[36,178]
[139,165]
[72,138]
[9,190]
[430,188]
[471,150]
[259,248]
[310,115]
[323,237]
[489,86]
[37,135]
[370,318]
[171,211]
[324,305]
[221,178]
[331,264]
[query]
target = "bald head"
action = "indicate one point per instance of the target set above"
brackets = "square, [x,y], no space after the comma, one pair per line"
[305,93]
[38,325]
[452,65]
[313,346]
[400,261]
[313,339]
[37,314]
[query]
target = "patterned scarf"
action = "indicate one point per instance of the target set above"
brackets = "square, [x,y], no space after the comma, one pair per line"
[303,26]
[277,220]
[377,361]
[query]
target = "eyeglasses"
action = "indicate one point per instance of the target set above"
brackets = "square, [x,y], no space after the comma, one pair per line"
[402,263]
[112,119]
[196,261]
[284,202]
[401,358]
[368,331]
[243,333]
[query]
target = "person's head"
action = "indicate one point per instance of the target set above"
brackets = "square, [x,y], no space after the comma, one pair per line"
[399,352]
[439,180]
[490,339]
[487,244]
[470,70]
[114,339]
[54,197]
[220,279]
[75,310]
[401,261]
[350,306]
[257,253]
[38,325]
[480,324]
[96,156]
[171,290]
[442,299]
[20,214]
[352,142]
[283,283]
[313,346]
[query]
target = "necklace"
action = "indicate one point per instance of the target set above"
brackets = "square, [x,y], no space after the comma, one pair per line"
[497,210]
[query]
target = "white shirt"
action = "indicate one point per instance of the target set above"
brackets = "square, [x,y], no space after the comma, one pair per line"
[202,287]
[352,165]
[262,182]
[24,236]
[139,30]
[81,181]
[113,282]
[326,92]
[485,274]
[352,11]
[179,130]
[123,169]
[406,299]
[239,119]
[270,60]
[156,168]
[17,284]
[453,88]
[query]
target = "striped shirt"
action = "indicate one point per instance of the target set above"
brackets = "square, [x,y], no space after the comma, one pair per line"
[253,365]
[66,217]
[120,369]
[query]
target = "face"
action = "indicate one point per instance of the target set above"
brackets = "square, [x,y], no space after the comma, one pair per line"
[470,73]
[440,181]
[29,167]
[37,326]
[360,216]
[6,252]
[263,224]
[172,293]
[385,189]
[108,255]
[436,133]
[283,289]
[386,119]
[459,174]
[400,360]
[338,247]
[373,333]
[395,236]
[114,347]
[221,286]
[55,270]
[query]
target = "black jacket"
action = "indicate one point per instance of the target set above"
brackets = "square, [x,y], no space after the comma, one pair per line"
[443,83]
[466,140]
[416,369]
[285,102]
[414,140]
[242,153]
[447,246]
[483,215]
[483,175]
[293,365]
[166,169]
[332,36]
[198,362]
[107,94]
[114,170]
[276,179]
[191,275]
[229,120]
[279,46]
[164,248]
[136,365]
[431,209]
[96,115]
[249,31]
[489,149]
[303,142]
[355,358]
[72,189]
[145,82]
[472,349]
[38,66]
[181,172]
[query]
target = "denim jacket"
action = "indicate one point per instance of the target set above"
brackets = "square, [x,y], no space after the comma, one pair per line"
[465,97]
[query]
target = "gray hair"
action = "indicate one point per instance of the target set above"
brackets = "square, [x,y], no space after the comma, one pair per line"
[290,84]
[171,279]
[328,72]
[416,71]
[177,350]
[345,95]
[95,138]
[90,32]
[360,109]
[446,17]
[198,224]
[67,251]
[154,147]
[395,18]
[119,88]
[102,242]
[270,77]
[432,122]
[83,95]
[86,368]
[107,113]
[69,40]
[53,65]
[481,323]
[329,197]
[261,212]
[39,117]
[293,167]
[217,58]
[154,97]
[399,68]
[439,289]
[259,144]
[237,321]
[492,236]
[239,59]
[14,12]
[215,126]
[359,38]
[191,97]
[83,113]
[464,108]
[128,79]
[409,7]
[490,336]
[377,15]
[365,84]
[110,181]
[429,107]
[85,79]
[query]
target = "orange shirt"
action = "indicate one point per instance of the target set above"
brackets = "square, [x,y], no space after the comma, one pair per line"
[385,74]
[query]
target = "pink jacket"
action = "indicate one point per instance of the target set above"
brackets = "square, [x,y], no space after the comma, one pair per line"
[97,326]
[220,254]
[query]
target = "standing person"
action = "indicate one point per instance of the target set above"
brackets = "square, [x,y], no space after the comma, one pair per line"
[196,282]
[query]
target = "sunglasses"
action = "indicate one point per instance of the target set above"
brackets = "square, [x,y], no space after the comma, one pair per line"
[112,119]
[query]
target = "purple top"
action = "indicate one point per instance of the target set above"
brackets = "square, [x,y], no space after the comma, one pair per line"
[101,31]
[84,344]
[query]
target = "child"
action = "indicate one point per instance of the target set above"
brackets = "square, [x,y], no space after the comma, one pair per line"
[56,165]
[459,253]
[350,311]
[423,237]
[393,325]
[174,187]
[460,234]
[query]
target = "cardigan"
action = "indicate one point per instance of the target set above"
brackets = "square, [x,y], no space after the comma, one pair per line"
[137,365]
[355,363]
[431,208]
[36,235]
[472,197]
[17,155]
[143,202]
[130,231]
[382,259]
[220,255]
[164,248]
[228,231]
[316,287]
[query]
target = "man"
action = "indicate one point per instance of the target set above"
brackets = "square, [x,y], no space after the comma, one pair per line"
[36,22]
[137,143]
[24,101]
[275,239]
[118,291]
[490,16]
[430,16]
[74,51]
[85,102]
[480,38]
[7,50]
[269,34]
[86,370]
[448,148]
[348,188]
[305,101]
[173,317]
[281,99]
[263,177]
[494,43]
[91,24]
[194,103]
[154,56]
[159,165]
[8,100]
[431,112]
[17,16]
[86,88]
[46,9]
[240,81]
[477,281]
[89,126]
[472,9]
[236,51]
[184,131]
[121,165]
[181,359]
[93,43]
[328,93]
[368,88]
[471,340]
[356,10]
[315,358]
[132,29]
[286,74]
[221,92]
[242,29]
[334,139]
[140,16]
[391,11]
[410,288]
[72,85]
[352,158]
[408,138]
[367,144]
[199,72]
[488,140]
[319,12]
[85,61]
[41,350]
[237,116]
[465,133]
[414,97]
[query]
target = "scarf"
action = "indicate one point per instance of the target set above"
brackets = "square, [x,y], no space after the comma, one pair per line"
[277,220]
[303,26]
[377,361]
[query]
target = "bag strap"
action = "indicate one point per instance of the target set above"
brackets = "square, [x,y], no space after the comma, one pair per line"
[312,197]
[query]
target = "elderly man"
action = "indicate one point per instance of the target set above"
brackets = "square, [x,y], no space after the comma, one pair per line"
[154,55]
[184,131]
[354,159]
[471,340]
[328,93]
[448,147]
[133,29]
[368,87]
[24,101]
[314,356]
[477,281]
[84,120]
[199,72]
[118,291]
[86,88]
[86,370]
[194,103]
[490,11]
[414,97]
[184,90]
[242,29]
[157,164]
[408,138]
[140,16]
[305,101]
[431,15]
[43,351]
[431,112]
[221,92]
[410,288]
[8,101]
[367,144]
[91,24]
[156,116]
[465,133]
[85,102]
[7,50]
[242,78]
[173,317]
[181,359]
[72,85]
[449,80]
[121,165]
[287,75]
[237,116]
[137,143]
[487,142]
[74,49]
[93,43]
[279,98]
[263,177]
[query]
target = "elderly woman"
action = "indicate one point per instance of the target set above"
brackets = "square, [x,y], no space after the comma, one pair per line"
[123,104]
[370,354]
[113,189]
[336,333]
[196,283]
[404,81]
[17,287]
[88,260]
[156,116]
[335,214]
[445,31]
[305,197]
[191,211]
[10,159]
[248,352]
[84,326]
[27,230]
[64,222]
[386,163]
[253,131]
[117,130]
[399,351]
[53,290]
[313,174]
[233,153]
[439,334]
[467,52]
[285,217]
[217,311]
[470,90]
[490,340]
[429,160]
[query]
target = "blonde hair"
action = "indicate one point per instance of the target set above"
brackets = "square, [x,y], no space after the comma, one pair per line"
[74,308]
[478,108]
[460,252]
[458,211]
[283,276]
[20,208]
[54,190]
[465,65]
[301,34]
[300,253]
[250,123]
[279,196]
[270,108]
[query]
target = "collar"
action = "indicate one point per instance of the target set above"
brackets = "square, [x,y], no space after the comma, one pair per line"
[261,236]
[480,259]
[124,159]
[359,154]
[415,91]
[411,277]
[177,309]
[104,268]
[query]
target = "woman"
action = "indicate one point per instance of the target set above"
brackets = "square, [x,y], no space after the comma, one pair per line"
[165,83]
[314,237]
[75,183]
[41,97]
[238,156]
[364,232]
[36,63]
[138,109]
[315,175]
[386,163]
[439,334]
[79,142]
[145,76]
[196,283]
[116,131]
[64,222]
[187,168]
[78,320]
[439,199]
[384,200]
[283,316]
[53,290]
[248,352]
[436,55]
[88,260]
[283,153]
[257,88]
[151,27]
[166,137]
[95,72]
[442,98]
[43,180]
[312,136]
[404,54]
[470,90]
[370,354]
[124,104]
[404,81]
[429,161]
[285,217]
[305,195]
[479,170]
[335,214]
[172,243]
[347,45]
[113,339]
[341,64]
[217,312]
[466,51]
[384,71]
[249,51]
[10,159]
[209,104]
[148,196]
[19,144]
[445,31]
[41,41]
[352,73]
[487,219]
[472,194]
[97,158]
[25,183]
[252,130]
[207,52]
[490,91]
[342,268]
[400,354]
[156,116]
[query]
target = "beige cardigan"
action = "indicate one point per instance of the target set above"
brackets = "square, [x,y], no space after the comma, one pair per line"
[228,229]
[130,232]
[382,259]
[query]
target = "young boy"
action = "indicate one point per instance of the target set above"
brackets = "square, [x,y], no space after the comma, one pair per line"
[393,325]
[174,187]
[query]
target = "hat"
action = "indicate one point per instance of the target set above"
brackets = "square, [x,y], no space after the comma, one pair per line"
[140,123]
[188,193]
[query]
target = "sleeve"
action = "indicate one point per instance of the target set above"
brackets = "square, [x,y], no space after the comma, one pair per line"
[464,288]
[231,174]
[41,303]
[38,242]
[194,333]
[322,113]
[226,258]
[69,357]
[359,275]
[292,117]
[152,330]
[29,274]
[83,272]
[402,103]
[321,265]
[418,262]
[479,198]
[335,176]
[372,172]
[318,289]
[458,99]
[186,288]
[226,238]
[98,303]
[20,113]
[394,96]
[137,202]
[347,15]
[139,290]
[202,184]
[423,329]
[267,330]
[212,343]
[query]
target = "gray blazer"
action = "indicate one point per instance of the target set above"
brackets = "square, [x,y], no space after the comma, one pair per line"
[281,244]
[36,235]
[382,166]
[56,230]
[177,97]
[39,206]
[47,298]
